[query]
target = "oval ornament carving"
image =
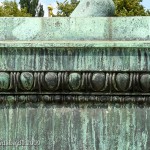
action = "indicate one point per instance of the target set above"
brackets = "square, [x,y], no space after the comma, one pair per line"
[27,80]
[74,81]
[145,82]
[4,81]
[98,81]
[122,81]
[51,80]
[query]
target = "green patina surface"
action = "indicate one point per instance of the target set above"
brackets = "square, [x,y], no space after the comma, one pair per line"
[82,29]
[76,127]
[75,59]
[74,44]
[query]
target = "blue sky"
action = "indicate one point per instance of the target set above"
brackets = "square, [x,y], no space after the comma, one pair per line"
[146,4]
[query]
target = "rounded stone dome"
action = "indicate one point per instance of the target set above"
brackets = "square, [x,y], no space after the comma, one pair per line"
[94,8]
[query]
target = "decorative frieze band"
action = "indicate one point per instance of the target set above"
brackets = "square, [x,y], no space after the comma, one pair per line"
[80,82]
[22,99]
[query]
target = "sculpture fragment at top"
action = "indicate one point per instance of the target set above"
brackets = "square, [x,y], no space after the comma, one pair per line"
[94,8]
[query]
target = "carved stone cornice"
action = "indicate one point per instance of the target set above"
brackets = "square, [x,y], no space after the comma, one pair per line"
[75,59]
[71,84]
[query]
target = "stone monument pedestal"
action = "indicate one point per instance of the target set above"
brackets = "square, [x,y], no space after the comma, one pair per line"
[75,83]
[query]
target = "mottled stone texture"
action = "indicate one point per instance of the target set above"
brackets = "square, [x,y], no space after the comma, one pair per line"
[83,29]
[53,72]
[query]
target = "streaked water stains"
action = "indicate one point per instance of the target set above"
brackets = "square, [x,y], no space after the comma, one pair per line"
[77,126]
[75,59]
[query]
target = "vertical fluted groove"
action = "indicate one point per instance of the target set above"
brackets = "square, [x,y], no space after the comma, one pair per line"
[77,127]
[77,59]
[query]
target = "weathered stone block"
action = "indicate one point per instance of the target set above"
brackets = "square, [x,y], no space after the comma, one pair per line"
[75,83]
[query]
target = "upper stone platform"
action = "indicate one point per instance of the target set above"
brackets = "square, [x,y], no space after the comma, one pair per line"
[75,29]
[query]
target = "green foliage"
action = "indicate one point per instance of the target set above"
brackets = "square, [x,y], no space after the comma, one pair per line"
[123,8]
[66,8]
[130,8]
[33,7]
[10,9]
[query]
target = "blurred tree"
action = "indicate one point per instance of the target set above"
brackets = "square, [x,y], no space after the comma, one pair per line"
[123,8]
[10,9]
[130,8]
[33,7]
[66,8]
